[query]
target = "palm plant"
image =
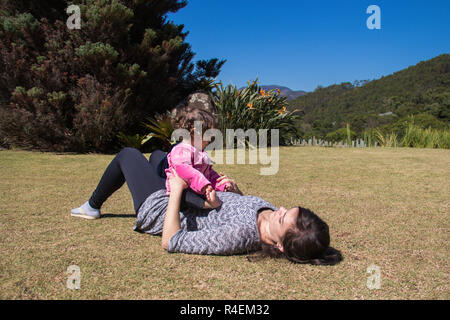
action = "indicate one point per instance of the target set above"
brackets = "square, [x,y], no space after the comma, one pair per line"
[253,108]
[136,141]
[161,128]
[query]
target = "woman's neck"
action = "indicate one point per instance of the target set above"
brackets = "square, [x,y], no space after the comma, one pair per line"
[263,226]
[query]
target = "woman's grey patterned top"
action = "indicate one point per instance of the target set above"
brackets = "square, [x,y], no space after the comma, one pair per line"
[229,229]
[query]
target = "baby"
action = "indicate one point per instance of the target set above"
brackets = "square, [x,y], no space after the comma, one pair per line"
[188,158]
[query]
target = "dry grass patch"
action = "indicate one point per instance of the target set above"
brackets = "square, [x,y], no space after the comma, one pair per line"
[388,207]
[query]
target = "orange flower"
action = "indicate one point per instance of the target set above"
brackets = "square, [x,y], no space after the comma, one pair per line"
[262,92]
[283,110]
[278,91]
[250,105]
[228,115]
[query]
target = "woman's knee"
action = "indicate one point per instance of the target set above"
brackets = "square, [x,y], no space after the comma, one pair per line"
[157,154]
[128,151]
[156,157]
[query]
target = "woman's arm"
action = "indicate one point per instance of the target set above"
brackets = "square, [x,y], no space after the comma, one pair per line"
[172,218]
[233,237]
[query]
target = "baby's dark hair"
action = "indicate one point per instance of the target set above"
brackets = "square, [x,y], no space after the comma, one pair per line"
[187,115]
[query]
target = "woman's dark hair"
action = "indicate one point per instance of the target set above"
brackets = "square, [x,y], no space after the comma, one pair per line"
[308,243]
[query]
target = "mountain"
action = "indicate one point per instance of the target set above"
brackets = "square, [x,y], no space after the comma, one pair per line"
[285,91]
[422,90]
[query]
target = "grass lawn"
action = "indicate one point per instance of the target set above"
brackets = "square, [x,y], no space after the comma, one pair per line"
[388,207]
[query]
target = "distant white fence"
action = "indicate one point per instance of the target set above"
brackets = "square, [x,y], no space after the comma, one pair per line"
[323,143]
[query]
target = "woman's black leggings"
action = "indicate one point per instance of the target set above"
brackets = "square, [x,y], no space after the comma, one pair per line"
[130,165]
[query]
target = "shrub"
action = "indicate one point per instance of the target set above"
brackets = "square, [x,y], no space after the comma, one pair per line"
[417,137]
[387,139]
[341,134]
[100,112]
[35,119]
[76,90]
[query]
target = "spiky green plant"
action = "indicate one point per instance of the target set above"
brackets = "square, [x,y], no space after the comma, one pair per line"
[417,137]
[387,139]
[136,141]
[161,128]
[254,108]
[349,136]
[368,138]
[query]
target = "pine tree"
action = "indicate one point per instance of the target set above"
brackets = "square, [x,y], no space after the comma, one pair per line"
[75,90]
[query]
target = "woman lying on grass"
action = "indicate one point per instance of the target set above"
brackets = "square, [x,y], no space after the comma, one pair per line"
[242,224]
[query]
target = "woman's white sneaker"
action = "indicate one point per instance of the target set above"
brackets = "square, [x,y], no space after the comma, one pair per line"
[86,212]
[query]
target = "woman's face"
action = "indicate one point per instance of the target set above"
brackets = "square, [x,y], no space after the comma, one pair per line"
[281,221]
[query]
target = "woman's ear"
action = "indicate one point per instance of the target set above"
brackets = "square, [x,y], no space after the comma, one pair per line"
[279,246]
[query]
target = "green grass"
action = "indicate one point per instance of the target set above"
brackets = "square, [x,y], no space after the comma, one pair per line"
[384,206]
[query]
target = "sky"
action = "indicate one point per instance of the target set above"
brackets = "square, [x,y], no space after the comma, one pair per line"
[303,44]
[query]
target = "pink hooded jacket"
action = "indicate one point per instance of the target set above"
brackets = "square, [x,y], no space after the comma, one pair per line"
[193,166]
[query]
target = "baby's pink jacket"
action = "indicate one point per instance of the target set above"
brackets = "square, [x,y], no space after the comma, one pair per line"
[193,166]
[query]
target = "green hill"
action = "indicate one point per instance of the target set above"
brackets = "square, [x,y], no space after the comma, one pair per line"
[422,90]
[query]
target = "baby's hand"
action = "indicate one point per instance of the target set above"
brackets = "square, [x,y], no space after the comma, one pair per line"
[212,199]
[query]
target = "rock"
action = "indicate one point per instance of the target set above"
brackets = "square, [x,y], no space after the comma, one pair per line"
[199,99]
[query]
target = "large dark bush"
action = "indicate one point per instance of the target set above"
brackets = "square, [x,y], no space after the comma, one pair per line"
[75,90]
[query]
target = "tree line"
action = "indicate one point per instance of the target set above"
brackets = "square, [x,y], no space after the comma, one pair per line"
[386,104]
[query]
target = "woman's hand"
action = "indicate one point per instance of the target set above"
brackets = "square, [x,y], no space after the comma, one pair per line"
[230,184]
[177,183]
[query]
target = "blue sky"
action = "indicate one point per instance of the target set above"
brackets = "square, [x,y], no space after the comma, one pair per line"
[303,44]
